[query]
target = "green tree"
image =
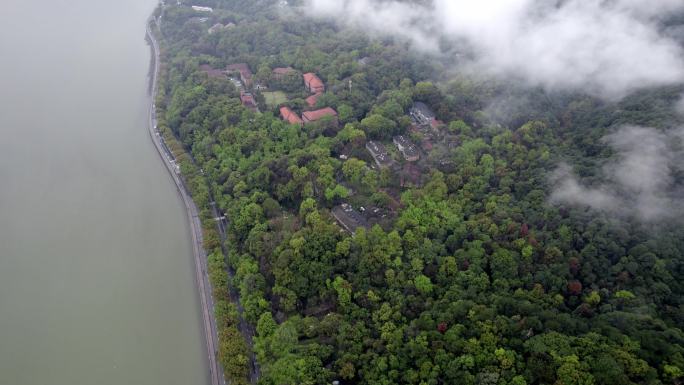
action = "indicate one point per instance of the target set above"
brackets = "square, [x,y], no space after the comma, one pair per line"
[423,284]
[379,127]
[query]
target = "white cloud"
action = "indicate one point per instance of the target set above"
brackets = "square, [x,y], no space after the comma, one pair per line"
[606,48]
[679,107]
[639,180]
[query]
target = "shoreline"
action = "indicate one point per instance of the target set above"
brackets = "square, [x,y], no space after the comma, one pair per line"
[200,258]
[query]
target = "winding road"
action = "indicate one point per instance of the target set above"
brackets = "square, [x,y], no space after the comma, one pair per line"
[202,277]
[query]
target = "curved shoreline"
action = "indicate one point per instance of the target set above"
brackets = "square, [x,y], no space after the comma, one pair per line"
[202,278]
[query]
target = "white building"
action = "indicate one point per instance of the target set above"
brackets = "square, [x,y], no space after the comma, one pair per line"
[202,9]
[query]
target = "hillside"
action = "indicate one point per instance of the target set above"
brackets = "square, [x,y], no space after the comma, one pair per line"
[408,225]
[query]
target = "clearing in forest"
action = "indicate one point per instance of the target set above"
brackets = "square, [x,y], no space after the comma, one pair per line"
[275,98]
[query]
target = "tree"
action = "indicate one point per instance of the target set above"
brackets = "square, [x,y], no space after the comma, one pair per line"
[427,92]
[423,284]
[379,127]
[339,192]
[249,216]
[476,277]
[307,206]
[503,265]
[571,372]
[354,169]
[266,325]
[345,113]
[574,288]
[344,291]
[593,298]
[460,127]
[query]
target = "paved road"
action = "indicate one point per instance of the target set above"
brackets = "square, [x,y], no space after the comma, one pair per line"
[202,278]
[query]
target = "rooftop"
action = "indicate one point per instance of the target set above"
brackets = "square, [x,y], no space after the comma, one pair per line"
[436,123]
[202,9]
[290,116]
[407,148]
[283,70]
[248,100]
[379,153]
[240,67]
[245,72]
[313,82]
[312,116]
[312,100]
[218,27]
[376,148]
[423,108]
[349,218]
[421,113]
[212,72]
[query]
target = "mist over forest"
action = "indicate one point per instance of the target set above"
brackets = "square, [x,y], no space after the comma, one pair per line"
[605,48]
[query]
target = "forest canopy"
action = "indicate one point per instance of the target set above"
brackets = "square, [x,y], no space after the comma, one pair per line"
[420,234]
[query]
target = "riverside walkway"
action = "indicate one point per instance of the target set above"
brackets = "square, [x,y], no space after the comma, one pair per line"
[202,277]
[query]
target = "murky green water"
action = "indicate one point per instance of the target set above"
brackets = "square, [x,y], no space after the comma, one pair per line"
[96,275]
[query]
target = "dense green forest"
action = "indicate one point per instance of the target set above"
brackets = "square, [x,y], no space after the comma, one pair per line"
[466,273]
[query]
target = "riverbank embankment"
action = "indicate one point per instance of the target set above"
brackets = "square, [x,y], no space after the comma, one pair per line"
[200,257]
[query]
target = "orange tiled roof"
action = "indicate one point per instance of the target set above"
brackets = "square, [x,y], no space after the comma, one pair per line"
[312,100]
[288,115]
[313,82]
[312,116]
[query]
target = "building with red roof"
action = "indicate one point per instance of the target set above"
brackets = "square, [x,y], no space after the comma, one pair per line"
[313,116]
[248,100]
[238,67]
[245,73]
[212,72]
[281,72]
[313,83]
[312,100]
[290,116]
[436,124]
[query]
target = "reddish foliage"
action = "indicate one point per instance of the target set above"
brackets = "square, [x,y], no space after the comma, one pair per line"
[574,265]
[442,327]
[532,241]
[465,265]
[584,310]
[524,230]
[575,287]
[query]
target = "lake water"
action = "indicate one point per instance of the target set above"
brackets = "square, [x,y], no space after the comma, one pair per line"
[96,271]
